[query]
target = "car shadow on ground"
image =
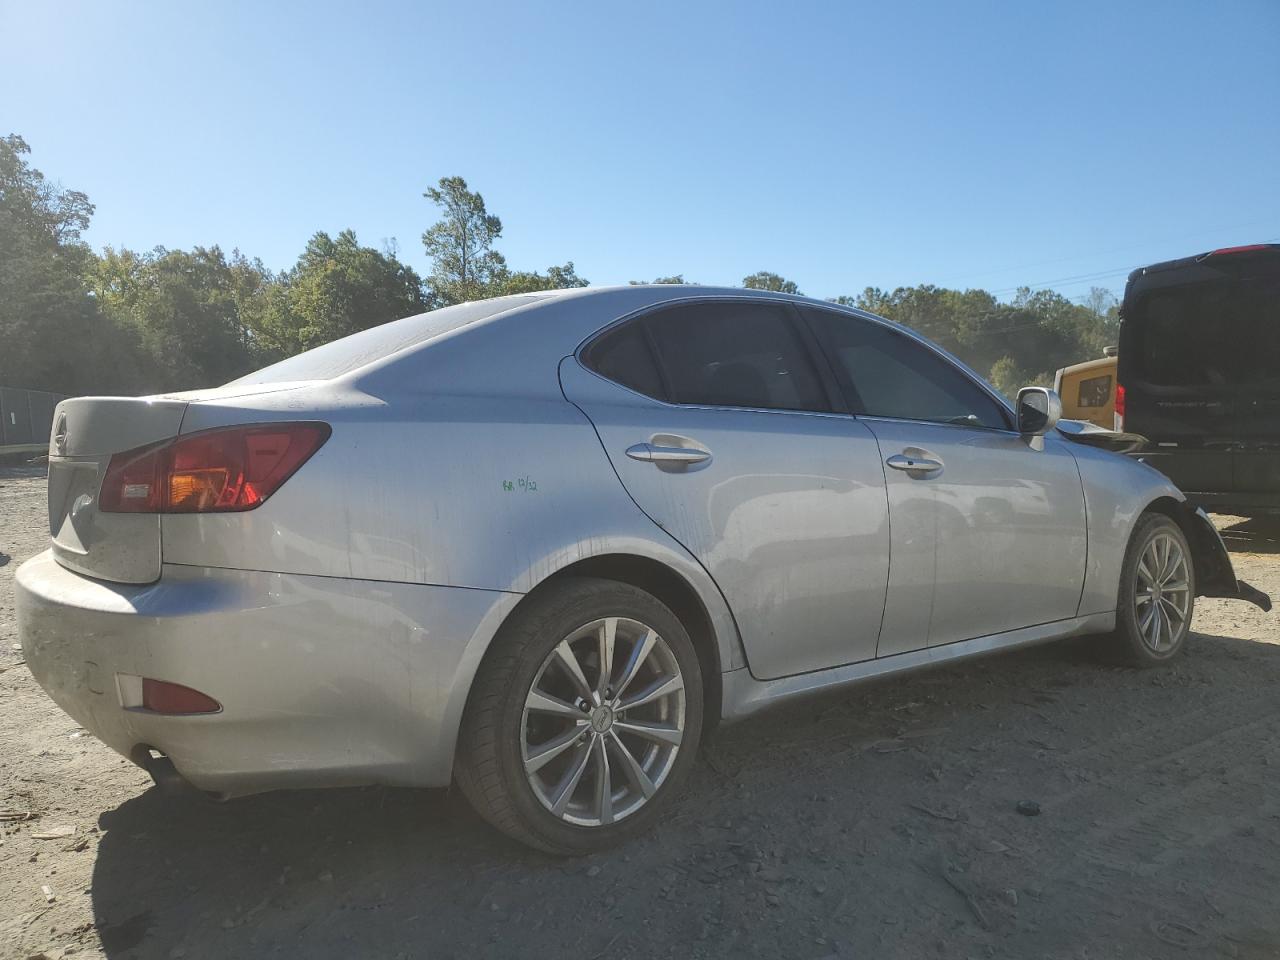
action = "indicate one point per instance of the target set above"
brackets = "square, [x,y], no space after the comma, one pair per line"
[1253,535]
[880,821]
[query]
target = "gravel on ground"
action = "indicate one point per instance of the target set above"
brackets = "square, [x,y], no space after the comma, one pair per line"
[1035,804]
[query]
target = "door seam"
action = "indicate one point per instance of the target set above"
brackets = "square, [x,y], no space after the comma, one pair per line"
[742,647]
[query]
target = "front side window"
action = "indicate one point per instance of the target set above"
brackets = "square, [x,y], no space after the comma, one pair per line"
[889,374]
[735,354]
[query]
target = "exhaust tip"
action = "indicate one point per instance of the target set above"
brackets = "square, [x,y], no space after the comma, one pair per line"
[163,773]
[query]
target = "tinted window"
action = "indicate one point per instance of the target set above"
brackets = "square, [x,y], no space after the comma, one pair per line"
[735,355]
[891,375]
[623,356]
[1222,334]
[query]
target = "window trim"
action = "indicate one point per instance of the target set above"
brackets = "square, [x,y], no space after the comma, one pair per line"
[584,349]
[799,326]
[854,400]
[821,360]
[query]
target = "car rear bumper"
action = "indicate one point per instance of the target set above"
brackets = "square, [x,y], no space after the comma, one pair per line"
[322,681]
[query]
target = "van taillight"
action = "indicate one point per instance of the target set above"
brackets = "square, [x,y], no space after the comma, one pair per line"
[1249,248]
[214,471]
[1118,406]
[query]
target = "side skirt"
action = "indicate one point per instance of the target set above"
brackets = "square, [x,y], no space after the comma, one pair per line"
[745,695]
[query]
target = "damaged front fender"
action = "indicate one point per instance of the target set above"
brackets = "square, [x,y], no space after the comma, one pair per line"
[1215,576]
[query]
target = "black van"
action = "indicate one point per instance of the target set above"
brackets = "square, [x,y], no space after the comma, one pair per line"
[1199,375]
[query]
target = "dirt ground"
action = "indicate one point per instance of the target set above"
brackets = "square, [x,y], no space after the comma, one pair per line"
[880,822]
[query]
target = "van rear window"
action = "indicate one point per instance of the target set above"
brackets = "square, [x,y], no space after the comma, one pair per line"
[1211,334]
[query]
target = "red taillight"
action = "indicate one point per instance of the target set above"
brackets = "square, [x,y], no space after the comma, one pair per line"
[222,470]
[164,697]
[1119,404]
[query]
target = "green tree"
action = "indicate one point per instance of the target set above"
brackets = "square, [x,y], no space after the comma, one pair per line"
[947,317]
[1007,377]
[1019,342]
[336,288]
[529,281]
[460,244]
[1104,312]
[677,278]
[182,310]
[52,335]
[764,280]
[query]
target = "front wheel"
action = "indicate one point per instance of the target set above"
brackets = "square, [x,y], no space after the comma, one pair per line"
[1157,593]
[584,719]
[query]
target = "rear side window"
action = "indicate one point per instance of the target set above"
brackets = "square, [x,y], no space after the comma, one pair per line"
[735,354]
[623,356]
[892,375]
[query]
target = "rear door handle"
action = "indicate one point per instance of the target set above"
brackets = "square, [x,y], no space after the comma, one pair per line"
[652,453]
[900,461]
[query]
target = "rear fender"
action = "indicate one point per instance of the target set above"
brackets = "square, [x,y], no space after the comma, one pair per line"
[1215,576]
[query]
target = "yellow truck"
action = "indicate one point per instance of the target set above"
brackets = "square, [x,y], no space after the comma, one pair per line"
[1088,390]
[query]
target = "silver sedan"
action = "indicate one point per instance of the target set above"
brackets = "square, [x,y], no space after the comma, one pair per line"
[540,545]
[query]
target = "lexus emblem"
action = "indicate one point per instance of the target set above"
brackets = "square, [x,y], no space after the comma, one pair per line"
[60,435]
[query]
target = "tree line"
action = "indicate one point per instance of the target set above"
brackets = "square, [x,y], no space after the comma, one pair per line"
[77,321]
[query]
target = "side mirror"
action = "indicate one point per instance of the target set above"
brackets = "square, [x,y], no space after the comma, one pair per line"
[1039,408]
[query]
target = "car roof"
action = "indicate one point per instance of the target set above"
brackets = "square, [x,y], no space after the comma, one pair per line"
[1246,250]
[596,306]
[1254,260]
[524,340]
[1084,366]
[518,341]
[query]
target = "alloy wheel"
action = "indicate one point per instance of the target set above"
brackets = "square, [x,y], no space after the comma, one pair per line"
[1162,593]
[603,721]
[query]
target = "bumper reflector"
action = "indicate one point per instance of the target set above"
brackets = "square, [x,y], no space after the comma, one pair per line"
[159,696]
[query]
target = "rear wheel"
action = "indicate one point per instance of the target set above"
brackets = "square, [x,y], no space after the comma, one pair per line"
[584,719]
[1157,593]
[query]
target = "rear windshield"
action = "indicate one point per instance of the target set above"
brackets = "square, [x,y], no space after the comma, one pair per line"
[1225,333]
[350,353]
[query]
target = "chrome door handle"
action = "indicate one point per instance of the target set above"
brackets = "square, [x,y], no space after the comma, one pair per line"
[652,453]
[900,461]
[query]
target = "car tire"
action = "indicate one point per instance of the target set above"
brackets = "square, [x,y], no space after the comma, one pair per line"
[1157,593]
[516,715]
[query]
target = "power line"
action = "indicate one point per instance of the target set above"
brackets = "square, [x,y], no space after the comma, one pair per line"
[1110,250]
[1078,278]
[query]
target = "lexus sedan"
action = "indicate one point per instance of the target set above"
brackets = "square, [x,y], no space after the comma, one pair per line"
[540,545]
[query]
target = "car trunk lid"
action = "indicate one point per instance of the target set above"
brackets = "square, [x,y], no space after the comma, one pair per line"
[87,431]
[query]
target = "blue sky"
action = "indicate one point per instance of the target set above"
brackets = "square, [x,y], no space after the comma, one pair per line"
[840,144]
